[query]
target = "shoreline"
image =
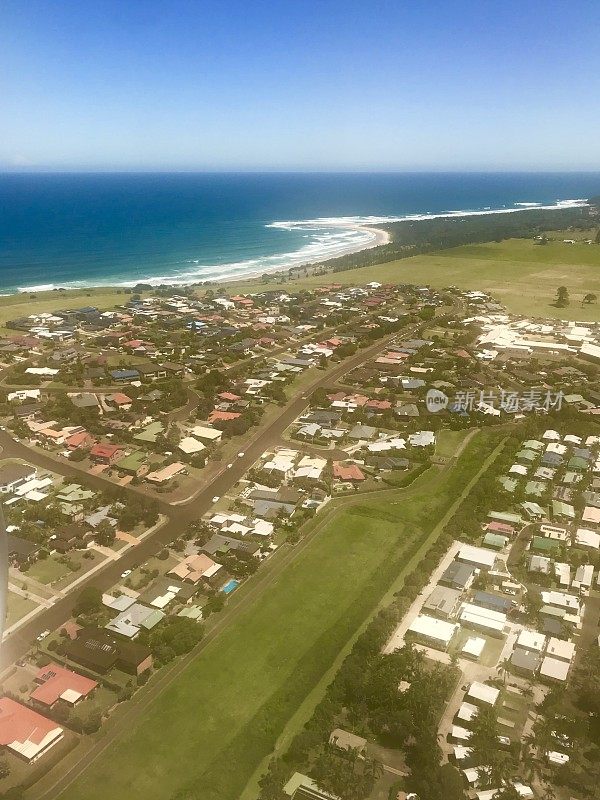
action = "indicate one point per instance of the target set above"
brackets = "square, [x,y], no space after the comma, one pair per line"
[367,226]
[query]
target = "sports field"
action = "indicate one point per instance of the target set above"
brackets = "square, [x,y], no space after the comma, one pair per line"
[518,272]
[205,736]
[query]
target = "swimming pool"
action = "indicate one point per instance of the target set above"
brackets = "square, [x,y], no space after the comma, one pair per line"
[230,586]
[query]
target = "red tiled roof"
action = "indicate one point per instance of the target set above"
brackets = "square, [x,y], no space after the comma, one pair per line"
[77,439]
[347,472]
[105,450]
[56,680]
[229,396]
[222,416]
[20,724]
[121,399]
[381,405]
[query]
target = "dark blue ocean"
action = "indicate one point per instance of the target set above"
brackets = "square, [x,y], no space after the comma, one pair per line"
[94,229]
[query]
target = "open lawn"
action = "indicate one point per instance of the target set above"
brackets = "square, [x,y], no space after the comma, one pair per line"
[48,570]
[449,441]
[25,303]
[519,273]
[231,703]
[18,607]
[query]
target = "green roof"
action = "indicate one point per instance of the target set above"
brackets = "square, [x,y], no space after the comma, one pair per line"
[508,484]
[495,540]
[578,463]
[150,432]
[153,619]
[562,509]
[545,545]
[536,488]
[505,516]
[132,462]
[526,455]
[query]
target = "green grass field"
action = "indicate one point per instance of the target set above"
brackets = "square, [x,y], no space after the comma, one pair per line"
[18,607]
[207,734]
[519,273]
[25,303]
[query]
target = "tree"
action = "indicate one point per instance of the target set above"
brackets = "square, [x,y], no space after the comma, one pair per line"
[88,602]
[562,297]
[4,769]
[590,297]
[105,534]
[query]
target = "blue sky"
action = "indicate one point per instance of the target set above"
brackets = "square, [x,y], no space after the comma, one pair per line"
[325,85]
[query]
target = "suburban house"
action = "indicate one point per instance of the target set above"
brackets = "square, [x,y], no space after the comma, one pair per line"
[100,652]
[57,683]
[25,732]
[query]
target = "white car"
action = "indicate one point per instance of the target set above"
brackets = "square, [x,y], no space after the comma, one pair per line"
[229,466]
[216,498]
[241,455]
[126,573]
[43,635]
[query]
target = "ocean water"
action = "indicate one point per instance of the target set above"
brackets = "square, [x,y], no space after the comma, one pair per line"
[61,230]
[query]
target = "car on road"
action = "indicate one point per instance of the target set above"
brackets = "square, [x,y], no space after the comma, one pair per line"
[126,573]
[216,498]
[229,466]
[42,636]
[241,455]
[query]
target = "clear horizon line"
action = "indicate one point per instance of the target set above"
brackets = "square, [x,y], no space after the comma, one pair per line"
[7,170]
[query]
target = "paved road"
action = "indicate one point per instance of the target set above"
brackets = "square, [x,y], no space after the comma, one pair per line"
[178,516]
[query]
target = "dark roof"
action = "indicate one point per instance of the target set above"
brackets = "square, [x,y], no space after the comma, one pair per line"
[492,600]
[458,574]
[21,548]
[525,659]
[218,543]
[100,650]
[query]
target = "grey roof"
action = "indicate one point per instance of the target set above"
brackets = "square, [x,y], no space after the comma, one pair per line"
[525,659]
[458,574]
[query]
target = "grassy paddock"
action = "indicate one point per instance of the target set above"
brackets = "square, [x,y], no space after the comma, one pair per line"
[26,303]
[519,273]
[235,698]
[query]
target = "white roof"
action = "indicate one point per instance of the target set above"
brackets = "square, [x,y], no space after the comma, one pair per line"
[190,445]
[479,556]
[558,648]
[561,600]
[554,757]
[518,469]
[531,640]
[458,732]
[204,432]
[487,613]
[587,538]
[71,696]
[460,752]
[554,668]
[433,628]
[585,574]
[483,692]
[474,646]
[591,514]
[550,434]
[30,750]
[467,712]
[468,617]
